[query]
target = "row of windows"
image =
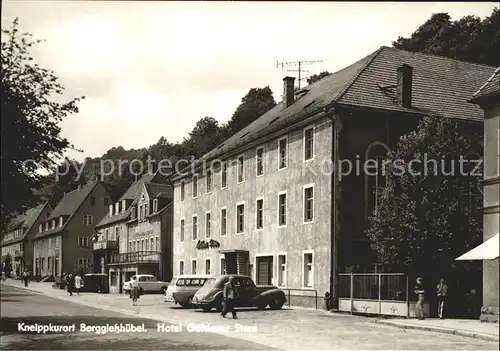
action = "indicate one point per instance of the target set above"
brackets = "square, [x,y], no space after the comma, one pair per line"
[14,234]
[111,233]
[283,159]
[146,244]
[144,210]
[11,248]
[47,243]
[308,215]
[307,274]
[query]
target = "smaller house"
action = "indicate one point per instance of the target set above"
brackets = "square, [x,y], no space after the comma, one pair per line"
[17,240]
[148,246]
[62,243]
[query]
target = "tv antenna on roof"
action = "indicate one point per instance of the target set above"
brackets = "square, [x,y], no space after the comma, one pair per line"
[298,64]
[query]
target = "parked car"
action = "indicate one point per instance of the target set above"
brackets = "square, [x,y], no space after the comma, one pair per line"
[147,284]
[182,289]
[95,282]
[211,295]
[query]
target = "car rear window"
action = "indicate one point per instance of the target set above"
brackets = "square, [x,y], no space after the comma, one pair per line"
[180,282]
[210,281]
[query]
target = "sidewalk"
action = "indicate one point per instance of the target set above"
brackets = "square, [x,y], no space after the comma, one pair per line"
[464,327]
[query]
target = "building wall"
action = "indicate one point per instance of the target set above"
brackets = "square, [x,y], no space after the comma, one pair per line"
[76,228]
[113,232]
[28,240]
[491,224]
[45,248]
[293,239]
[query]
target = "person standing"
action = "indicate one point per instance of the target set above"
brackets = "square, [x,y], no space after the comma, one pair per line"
[134,291]
[78,283]
[230,294]
[70,283]
[442,293]
[420,292]
[26,277]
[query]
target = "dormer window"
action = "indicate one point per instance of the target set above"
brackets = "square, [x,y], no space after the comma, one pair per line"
[133,212]
[117,208]
[40,227]
[143,197]
[155,205]
[124,205]
[46,225]
[53,223]
[61,221]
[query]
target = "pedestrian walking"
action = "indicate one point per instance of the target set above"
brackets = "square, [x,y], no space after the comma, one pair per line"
[134,291]
[420,292]
[78,283]
[442,293]
[70,284]
[26,277]
[230,294]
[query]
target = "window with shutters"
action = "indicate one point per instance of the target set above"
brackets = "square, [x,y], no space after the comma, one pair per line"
[308,203]
[308,143]
[240,218]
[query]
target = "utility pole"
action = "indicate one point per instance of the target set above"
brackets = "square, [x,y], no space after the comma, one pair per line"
[297,64]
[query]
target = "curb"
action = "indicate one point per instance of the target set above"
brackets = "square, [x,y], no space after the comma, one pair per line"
[441,330]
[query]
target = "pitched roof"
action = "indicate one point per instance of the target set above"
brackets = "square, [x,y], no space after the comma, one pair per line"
[106,220]
[25,220]
[133,189]
[156,190]
[491,86]
[70,203]
[68,206]
[441,87]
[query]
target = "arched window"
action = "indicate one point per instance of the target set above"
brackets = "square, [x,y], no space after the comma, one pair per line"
[375,174]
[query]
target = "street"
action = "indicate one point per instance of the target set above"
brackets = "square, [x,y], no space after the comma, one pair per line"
[287,329]
[21,306]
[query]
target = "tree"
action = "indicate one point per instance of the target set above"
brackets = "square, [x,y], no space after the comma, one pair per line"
[468,39]
[426,216]
[253,105]
[316,77]
[205,136]
[31,139]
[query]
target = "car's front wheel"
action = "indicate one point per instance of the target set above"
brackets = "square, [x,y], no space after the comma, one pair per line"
[206,309]
[163,290]
[276,303]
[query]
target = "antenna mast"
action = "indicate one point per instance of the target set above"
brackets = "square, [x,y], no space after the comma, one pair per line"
[297,64]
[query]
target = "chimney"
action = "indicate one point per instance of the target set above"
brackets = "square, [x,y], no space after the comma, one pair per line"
[288,91]
[404,85]
[111,210]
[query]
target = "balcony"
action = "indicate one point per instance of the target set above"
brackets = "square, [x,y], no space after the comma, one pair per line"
[136,257]
[106,245]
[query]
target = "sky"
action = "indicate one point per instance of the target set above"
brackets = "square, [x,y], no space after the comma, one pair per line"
[153,69]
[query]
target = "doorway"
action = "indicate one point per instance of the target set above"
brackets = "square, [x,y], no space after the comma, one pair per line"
[264,274]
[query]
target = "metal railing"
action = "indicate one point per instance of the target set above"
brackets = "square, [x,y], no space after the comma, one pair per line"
[136,257]
[105,245]
[302,290]
[379,288]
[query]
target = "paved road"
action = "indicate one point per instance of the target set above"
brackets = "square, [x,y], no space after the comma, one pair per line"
[21,306]
[287,329]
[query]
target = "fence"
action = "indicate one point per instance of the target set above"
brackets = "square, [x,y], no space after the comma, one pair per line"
[374,293]
[301,296]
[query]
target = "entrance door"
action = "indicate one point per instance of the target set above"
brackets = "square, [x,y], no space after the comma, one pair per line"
[264,270]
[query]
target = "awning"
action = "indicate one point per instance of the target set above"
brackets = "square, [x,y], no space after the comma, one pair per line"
[486,251]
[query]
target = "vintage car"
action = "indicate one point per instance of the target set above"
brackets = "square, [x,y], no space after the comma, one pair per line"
[211,295]
[182,289]
[147,284]
[95,282]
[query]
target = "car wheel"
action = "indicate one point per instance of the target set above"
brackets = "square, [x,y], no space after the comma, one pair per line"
[276,304]
[190,302]
[163,290]
[261,306]
[219,305]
